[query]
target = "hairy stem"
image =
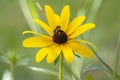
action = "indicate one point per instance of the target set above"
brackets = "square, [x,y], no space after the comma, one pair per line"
[61,67]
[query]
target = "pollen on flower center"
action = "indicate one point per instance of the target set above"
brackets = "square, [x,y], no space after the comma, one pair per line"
[59,36]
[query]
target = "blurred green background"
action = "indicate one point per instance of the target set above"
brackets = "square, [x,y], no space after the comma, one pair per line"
[104,36]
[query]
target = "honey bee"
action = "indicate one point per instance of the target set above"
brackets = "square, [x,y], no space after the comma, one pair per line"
[57,28]
[59,35]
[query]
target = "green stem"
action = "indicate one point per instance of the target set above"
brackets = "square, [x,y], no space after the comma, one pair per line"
[100,59]
[109,68]
[116,75]
[61,68]
[117,55]
[12,71]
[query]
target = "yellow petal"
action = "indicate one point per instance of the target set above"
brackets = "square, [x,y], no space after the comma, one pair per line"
[87,43]
[65,15]
[54,52]
[57,19]
[37,41]
[82,29]
[68,53]
[81,49]
[75,23]
[44,26]
[50,16]
[41,54]
[32,32]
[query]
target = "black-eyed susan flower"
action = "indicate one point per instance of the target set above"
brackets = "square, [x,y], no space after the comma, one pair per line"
[61,36]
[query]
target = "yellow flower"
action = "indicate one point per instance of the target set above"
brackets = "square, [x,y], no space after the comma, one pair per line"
[60,37]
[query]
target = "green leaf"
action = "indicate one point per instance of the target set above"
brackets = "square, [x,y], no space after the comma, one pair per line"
[5,60]
[7,75]
[95,67]
[56,60]
[89,77]
[29,10]
[43,70]
[77,55]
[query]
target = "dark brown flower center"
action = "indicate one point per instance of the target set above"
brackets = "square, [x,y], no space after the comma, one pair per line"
[59,36]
